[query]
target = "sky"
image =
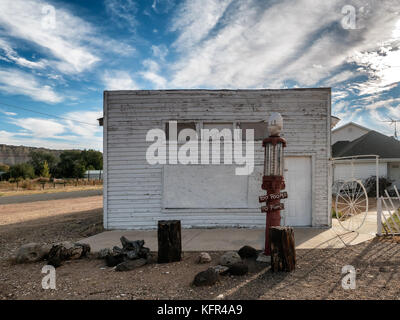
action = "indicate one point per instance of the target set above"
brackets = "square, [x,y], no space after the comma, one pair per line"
[57,57]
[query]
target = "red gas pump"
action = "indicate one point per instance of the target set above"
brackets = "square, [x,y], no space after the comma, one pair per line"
[273,181]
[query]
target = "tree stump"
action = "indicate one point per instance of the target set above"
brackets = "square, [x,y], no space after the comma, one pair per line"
[283,253]
[169,241]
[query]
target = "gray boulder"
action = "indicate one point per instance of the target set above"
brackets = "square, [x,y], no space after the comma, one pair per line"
[131,264]
[229,258]
[248,252]
[32,252]
[66,251]
[206,278]
[103,253]
[203,257]
[263,258]
[220,269]
[238,269]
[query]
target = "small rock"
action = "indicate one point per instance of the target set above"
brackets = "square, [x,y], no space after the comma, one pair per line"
[220,269]
[262,258]
[103,253]
[112,261]
[204,257]
[384,269]
[32,252]
[229,258]
[206,278]
[131,264]
[238,269]
[79,250]
[248,252]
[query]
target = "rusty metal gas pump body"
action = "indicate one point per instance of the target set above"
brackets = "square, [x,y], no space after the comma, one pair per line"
[273,180]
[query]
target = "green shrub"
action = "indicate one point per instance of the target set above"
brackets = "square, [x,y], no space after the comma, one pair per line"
[22,171]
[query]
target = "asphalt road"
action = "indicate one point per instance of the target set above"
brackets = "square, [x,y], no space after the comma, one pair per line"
[50,196]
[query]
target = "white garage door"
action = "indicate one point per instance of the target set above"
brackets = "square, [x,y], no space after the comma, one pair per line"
[344,171]
[298,178]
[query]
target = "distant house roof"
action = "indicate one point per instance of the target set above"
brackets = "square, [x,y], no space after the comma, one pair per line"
[370,143]
[353,124]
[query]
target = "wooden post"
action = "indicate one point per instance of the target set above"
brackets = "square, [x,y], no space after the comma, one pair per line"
[283,253]
[169,241]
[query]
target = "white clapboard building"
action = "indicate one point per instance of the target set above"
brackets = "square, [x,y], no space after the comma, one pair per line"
[137,193]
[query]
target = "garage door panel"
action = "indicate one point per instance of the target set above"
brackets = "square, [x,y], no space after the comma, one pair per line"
[298,179]
[203,187]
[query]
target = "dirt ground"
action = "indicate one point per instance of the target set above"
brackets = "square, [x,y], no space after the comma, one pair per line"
[317,276]
[59,188]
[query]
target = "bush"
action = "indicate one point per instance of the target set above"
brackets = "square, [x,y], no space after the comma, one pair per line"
[370,186]
[71,165]
[45,173]
[92,159]
[22,171]
[4,167]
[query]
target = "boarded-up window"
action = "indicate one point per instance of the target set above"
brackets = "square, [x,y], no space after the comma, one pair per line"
[260,129]
[180,127]
[214,135]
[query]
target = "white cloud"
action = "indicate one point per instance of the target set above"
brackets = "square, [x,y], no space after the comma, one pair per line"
[383,66]
[340,77]
[15,138]
[11,55]
[123,12]
[8,113]
[152,74]
[40,128]
[118,80]
[65,40]
[14,81]
[160,51]
[253,44]
[162,6]
[57,133]
[196,19]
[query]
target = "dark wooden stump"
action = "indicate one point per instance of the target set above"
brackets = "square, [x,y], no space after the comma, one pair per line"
[283,253]
[169,241]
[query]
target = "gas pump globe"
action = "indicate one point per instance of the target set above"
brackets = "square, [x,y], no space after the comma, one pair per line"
[273,181]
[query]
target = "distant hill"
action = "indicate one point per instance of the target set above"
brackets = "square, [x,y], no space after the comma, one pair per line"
[11,155]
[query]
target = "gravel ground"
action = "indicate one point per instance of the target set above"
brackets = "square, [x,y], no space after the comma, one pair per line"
[317,276]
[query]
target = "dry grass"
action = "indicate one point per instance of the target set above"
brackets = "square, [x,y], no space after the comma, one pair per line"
[34,187]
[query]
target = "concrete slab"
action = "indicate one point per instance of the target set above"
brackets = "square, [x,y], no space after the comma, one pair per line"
[234,238]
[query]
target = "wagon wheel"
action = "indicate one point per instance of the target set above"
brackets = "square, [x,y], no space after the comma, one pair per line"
[351,205]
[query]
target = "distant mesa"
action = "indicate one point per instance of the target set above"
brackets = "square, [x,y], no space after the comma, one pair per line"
[11,155]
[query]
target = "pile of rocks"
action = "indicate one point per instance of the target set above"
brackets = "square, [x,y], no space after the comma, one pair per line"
[131,256]
[67,251]
[55,254]
[230,263]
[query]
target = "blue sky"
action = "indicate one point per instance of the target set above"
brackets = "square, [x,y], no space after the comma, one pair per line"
[57,57]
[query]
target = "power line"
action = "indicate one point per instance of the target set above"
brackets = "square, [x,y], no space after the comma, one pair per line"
[46,114]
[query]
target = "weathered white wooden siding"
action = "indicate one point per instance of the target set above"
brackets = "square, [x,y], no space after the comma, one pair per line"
[133,188]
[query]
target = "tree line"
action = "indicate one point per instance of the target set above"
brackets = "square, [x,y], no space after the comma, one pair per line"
[70,164]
